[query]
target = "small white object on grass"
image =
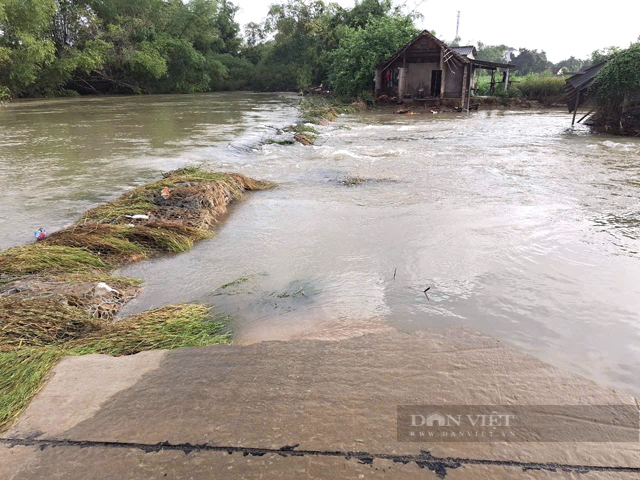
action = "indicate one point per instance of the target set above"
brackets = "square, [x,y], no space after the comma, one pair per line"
[104,289]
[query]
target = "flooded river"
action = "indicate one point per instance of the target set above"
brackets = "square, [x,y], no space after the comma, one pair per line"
[519,226]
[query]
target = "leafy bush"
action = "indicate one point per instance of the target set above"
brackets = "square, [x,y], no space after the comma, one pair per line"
[617,88]
[238,75]
[618,79]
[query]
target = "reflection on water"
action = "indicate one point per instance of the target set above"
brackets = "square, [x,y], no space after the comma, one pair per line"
[522,227]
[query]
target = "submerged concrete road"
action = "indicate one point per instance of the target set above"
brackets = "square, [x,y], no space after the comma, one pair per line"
[301,409]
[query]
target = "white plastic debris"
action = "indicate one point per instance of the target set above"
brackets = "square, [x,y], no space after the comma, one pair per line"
[138,217]
[102,289]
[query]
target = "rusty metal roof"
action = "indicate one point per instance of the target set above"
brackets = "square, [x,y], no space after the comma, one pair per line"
[577,86]
[447,50]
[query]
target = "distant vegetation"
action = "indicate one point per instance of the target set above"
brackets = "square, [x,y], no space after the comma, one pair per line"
[533,86]
[70,47]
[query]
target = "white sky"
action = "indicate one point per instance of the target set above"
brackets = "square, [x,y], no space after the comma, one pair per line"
[560,27]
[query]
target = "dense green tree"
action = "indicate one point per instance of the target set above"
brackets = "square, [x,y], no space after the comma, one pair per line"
[603,54]
[491,53]
[531,61]
[361,49]
[115,45]
[571,64]
[25,46]
[359,15]
[301,37]
[53,47]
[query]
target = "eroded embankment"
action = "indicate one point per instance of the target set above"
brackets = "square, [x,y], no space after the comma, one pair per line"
[58,297]
[316,113]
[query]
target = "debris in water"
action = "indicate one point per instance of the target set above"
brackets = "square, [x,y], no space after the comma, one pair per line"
[237,282]
[305,140]
[404,111]
[425,293]
[394,274]
[41,234]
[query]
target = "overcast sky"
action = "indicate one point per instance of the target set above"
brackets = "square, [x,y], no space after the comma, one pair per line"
[560,27]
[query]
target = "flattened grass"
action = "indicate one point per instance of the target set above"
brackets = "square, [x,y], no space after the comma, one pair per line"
[104,240]
[165,328]
[119,244]
[23,370]
[22,373]
[167,236]
[42,321]
[41,258]
[146,199]
[39,325]
[119,209]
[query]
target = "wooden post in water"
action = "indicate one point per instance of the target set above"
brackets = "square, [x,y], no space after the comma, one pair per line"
[442,76]
[402,77]
[492,88]
[470,80]
[575,109]
[464,86]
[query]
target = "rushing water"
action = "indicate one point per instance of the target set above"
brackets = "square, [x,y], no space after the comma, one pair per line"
[521,226]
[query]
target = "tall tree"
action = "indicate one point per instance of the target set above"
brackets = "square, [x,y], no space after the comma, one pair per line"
[25,46]
[362,49]
[531,61]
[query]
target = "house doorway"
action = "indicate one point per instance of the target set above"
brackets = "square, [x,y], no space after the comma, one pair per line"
[436,82]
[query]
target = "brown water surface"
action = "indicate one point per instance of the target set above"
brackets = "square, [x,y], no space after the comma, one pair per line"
[521,226]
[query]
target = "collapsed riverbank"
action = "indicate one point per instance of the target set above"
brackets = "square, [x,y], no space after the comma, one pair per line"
[320,111]
[58,297]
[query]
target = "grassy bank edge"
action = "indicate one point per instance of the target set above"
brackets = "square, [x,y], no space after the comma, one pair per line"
[23,371]
[38,329]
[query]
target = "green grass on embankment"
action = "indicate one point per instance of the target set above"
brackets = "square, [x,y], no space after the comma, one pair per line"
[49,305]
[24,367]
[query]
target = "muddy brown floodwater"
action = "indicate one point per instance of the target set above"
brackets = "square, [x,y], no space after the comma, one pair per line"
[522,227]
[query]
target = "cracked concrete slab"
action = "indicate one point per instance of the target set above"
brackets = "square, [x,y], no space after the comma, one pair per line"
[320,396]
